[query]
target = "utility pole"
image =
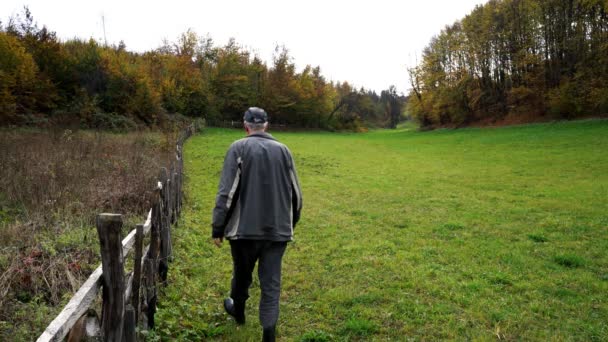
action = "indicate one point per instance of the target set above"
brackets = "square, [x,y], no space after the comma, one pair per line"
[103,23]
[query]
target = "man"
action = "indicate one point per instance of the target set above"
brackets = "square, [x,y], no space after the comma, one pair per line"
[257,207]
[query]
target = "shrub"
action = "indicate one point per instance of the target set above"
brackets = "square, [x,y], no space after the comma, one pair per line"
[566,101]
[112,121]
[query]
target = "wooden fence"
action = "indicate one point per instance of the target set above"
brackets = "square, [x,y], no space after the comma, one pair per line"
[128,300]
[239,124]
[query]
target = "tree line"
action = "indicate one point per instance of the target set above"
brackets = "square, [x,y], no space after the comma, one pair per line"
[44,80]
[515,60]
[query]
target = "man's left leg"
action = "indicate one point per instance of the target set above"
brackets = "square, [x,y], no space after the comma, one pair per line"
[269,272]
[244,255]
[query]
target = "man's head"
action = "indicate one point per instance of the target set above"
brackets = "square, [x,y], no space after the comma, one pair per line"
[255,120]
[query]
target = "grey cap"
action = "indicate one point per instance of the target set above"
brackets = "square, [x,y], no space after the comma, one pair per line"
[255,115]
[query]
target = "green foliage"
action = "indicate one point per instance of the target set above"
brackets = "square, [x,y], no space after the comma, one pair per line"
[565,101]
[112,121]
[18,73]
[78,83]
[511,61]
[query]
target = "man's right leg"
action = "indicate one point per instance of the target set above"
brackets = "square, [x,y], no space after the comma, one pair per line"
[269,271]
[244,255]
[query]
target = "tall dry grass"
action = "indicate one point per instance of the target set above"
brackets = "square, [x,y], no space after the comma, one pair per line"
[53,184]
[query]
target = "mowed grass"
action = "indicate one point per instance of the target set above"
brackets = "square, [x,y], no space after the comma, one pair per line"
[453,234]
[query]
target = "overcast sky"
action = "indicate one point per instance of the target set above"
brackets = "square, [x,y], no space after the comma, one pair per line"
[367,43]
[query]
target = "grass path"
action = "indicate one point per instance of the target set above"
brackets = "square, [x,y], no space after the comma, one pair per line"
[452,234]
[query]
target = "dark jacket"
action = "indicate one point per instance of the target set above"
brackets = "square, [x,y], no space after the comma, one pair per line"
[259,196]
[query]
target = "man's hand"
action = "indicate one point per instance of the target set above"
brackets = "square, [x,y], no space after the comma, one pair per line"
[218,242]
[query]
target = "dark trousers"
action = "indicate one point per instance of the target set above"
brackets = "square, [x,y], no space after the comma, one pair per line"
[245,253]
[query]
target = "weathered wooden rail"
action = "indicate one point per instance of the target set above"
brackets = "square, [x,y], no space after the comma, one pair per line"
[128,300]
[239,124]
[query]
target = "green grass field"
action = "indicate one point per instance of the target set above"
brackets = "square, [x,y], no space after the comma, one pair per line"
[453,234]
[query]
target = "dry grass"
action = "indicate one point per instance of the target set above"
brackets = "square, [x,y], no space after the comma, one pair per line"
[53,184]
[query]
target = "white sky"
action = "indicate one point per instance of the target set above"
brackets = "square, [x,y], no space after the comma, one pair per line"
[367,43]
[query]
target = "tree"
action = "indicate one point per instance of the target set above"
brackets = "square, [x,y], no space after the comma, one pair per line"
[393,106]
[516,59]
[82,82]
[18,73]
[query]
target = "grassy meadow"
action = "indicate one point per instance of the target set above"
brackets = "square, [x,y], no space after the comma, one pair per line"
[470,234]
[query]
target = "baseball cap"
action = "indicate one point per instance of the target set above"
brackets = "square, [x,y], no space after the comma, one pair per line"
[255,115]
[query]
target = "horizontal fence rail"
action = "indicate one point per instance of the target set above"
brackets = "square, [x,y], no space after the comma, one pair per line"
[128,300]
[239,124]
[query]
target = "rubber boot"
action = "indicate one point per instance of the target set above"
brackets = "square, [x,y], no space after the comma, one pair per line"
[269,335]
[236,310]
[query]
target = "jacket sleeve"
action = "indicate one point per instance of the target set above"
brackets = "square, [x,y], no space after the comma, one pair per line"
[296,192]
[227,192]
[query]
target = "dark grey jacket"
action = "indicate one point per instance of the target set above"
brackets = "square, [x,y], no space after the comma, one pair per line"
[259,196]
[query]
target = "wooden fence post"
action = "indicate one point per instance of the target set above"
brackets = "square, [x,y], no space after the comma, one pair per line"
[175,197]
[139,245]
[109,229]
[165,233]
[169,194]
[150,305]
[178,171]
[130,324]
[151,265]
[180,181]
[164,178]
[180,167]
[173,177]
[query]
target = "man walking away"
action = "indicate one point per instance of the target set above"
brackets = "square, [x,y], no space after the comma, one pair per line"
[257,207]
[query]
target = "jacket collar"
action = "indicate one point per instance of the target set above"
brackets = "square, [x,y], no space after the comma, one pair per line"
[261,135]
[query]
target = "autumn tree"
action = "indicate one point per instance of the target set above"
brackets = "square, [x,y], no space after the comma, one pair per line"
[84,83]
[515,60]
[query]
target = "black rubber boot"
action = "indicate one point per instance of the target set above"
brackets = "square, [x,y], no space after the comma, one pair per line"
[269,335]
[235,310]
